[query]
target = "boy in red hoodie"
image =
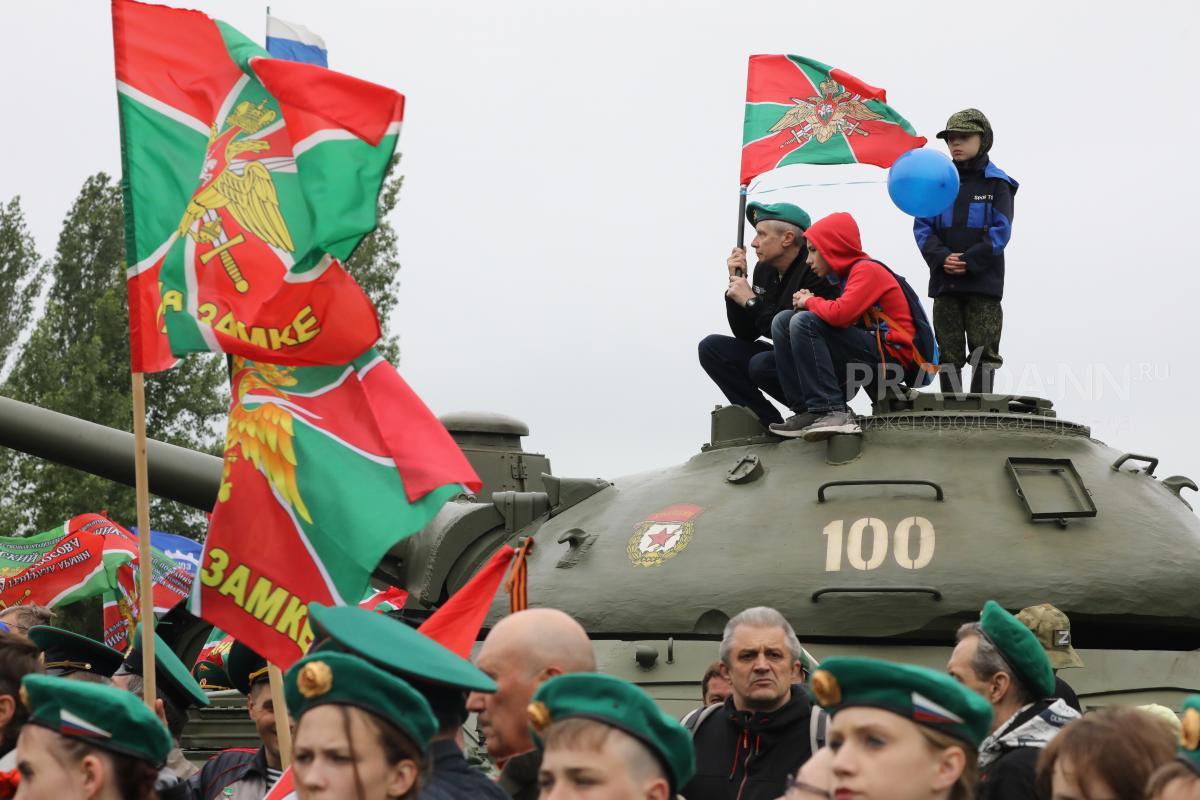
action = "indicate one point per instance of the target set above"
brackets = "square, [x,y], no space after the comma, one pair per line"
[823,354]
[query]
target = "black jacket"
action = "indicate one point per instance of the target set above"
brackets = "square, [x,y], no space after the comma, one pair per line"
[227,768]
[1012,775]
[774,293]
[978,225]
[519,778]
[745,756]
[453,778]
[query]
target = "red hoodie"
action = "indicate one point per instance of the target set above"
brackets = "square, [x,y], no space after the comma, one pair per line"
[867,284]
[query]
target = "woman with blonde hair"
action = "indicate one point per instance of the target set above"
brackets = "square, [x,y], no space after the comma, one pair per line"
[900,732]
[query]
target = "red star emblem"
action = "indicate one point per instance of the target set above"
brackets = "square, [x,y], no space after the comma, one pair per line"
[661,538]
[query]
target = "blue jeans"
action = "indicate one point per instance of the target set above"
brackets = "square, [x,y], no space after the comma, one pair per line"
[743,371]
[822,366]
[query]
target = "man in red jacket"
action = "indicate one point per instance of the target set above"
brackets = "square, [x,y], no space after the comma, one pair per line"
[827,349]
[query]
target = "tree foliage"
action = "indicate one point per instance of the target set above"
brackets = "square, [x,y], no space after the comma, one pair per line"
[19,264]
[375,264]
[77,362]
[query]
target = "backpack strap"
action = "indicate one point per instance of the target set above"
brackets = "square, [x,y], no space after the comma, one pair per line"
[817,722]
[697,716]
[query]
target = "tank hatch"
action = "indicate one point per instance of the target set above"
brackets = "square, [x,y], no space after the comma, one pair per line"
[492,443]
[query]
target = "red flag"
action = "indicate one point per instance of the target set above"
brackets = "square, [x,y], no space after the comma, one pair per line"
[389,599]
[456,624]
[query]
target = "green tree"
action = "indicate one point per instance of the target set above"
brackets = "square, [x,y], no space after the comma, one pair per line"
[19,264]
[375,263]
[77,362]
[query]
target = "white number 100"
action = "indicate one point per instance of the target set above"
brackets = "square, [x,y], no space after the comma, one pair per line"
[875,553]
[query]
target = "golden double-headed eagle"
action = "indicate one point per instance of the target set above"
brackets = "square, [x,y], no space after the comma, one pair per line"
[250,197]
[823,117]
[263,434]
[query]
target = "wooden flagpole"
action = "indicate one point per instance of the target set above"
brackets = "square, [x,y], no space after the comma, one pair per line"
[283,725]
[145,557]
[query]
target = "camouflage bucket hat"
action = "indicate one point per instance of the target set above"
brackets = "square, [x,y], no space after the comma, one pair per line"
[970,120]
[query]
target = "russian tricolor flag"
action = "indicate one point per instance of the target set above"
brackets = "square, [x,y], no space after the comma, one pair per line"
[293,42]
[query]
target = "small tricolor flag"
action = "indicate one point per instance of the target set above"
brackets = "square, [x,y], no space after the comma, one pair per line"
[295,43]
[73,725]
[925,710]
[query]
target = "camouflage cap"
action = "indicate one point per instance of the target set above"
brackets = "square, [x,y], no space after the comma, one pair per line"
[969,120]
[1053,632]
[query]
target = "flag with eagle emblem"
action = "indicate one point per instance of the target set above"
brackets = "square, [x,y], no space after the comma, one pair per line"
[247,180]
[326,468]
[800,111]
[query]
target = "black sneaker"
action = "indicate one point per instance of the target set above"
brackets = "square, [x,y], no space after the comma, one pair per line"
[830,423]
[791,427]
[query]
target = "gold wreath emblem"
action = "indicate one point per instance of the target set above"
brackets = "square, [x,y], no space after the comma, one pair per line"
[1190,734]
[315,679]
[826,688]
[539,716]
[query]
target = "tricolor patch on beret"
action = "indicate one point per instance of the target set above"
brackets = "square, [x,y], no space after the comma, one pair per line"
[73,725]
[925,710]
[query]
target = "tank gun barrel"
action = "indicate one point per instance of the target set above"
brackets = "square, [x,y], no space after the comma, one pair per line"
[176,473]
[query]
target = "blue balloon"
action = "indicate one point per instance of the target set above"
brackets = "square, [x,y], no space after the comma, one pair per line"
[923,183]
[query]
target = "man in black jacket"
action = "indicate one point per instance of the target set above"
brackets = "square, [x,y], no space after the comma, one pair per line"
[241,773]
[749,747]
[1000,659]
[743,365]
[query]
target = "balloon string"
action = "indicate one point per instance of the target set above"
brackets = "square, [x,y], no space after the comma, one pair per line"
[755,190]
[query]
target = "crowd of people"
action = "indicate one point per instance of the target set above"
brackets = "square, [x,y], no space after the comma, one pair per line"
[377,711]
[820,319]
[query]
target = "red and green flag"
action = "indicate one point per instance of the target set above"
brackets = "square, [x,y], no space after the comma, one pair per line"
[384,600]
[247,181]
[171,581]
[800,111]
[326,468]
[76,560]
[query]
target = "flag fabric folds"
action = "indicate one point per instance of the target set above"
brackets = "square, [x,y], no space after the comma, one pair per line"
[171,581]
[294,42]
[326,468]
[800,111]
[76,560]
[247,181]
[456,623]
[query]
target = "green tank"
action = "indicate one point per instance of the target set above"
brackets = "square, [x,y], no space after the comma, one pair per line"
[879,544]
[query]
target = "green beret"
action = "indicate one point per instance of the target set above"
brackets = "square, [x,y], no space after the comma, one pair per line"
[624,706]
[245,667]
[393,646]
[211,677]
[1189,749]
[343,679]
[102,716]
[1019,647]
[173,678]
[922,695]
[64,652]
[757,212]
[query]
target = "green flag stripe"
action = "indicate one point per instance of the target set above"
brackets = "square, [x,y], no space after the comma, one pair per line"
[835,151]
[164,157]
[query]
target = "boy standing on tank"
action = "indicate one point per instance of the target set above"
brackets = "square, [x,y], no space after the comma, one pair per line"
[964,247]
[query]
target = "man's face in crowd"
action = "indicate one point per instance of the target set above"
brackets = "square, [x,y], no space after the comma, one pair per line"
[964,146]
[503,717]
[817,262]
[261,708]
[718,689]
[769,244]
[961,669]
[761,668]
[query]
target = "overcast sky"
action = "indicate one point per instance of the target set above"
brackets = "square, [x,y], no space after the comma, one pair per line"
[571,188]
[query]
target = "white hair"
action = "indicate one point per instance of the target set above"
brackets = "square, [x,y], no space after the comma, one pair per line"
[761,617]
